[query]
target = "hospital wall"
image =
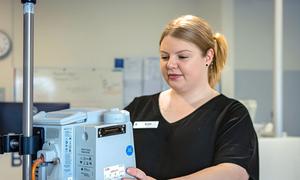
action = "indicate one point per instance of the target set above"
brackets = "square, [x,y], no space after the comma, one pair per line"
[92,33]
[254,55]
[84,34]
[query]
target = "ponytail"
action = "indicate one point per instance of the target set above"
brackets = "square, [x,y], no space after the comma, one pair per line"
[219,60]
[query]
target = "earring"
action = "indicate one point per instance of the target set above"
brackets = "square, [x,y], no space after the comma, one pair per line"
[206,64]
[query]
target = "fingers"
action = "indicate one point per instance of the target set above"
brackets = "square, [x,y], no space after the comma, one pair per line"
[128,179]
[135,172]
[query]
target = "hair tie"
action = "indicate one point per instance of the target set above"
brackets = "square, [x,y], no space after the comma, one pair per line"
[217,35]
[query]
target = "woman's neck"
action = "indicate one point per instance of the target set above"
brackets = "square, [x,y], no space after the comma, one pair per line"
[175,106]
[195,97]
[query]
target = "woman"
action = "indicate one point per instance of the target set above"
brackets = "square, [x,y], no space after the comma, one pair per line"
[191,131]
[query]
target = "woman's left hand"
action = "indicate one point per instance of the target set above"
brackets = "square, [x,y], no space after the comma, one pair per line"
[138,174]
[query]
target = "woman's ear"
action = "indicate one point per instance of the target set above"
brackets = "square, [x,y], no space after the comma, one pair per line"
[209,55]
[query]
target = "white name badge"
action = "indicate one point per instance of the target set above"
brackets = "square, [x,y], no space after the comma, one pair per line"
[145,124]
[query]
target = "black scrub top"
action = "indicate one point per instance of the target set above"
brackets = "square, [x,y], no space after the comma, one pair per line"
[220,131]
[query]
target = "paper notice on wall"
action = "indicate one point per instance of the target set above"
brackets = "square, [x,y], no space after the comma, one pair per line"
[141,76]
[152,76]
[132,79]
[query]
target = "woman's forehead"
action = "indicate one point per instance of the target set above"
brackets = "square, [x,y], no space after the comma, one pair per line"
[173,44]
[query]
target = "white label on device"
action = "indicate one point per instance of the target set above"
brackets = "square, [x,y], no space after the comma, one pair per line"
[145,124]
[114,172]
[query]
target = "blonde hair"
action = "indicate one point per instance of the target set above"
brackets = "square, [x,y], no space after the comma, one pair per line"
[197,31]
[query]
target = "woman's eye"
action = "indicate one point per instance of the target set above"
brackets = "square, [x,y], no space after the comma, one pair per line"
[182,57]
[164,57]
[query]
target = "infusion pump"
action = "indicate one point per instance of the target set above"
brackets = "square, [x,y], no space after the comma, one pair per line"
[84,144]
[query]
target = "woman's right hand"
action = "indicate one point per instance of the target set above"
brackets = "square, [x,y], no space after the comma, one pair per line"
[137,174]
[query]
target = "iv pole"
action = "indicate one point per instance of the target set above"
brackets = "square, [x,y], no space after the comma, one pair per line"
[28,20]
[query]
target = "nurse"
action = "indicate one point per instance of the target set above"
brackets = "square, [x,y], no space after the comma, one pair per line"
[192,131]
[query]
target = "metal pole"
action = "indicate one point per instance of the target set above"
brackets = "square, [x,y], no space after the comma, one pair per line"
[28,10]
[278,69]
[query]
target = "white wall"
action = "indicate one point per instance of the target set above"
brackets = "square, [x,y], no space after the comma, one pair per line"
[254,34]
[254,28]
[91,33]
[254,55]
[291,38]
[6,71]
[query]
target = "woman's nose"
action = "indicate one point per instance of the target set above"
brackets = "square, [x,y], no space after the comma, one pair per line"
[172,63]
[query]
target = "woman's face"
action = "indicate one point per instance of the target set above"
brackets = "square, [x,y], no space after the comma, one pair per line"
[182,64]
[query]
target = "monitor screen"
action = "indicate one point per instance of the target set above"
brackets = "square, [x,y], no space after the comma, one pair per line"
[11,114]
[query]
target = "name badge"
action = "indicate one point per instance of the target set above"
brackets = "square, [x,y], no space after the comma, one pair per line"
[145,124]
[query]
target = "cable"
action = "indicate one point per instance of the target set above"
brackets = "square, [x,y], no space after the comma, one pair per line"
[36,163]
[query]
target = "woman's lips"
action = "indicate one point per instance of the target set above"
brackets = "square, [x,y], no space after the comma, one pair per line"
[174,76]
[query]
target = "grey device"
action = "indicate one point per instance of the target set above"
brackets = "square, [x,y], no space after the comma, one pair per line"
[106,150]
[73,148]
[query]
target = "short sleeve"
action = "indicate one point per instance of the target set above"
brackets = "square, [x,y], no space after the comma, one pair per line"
[134,107]
[130,106]
[236,140]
